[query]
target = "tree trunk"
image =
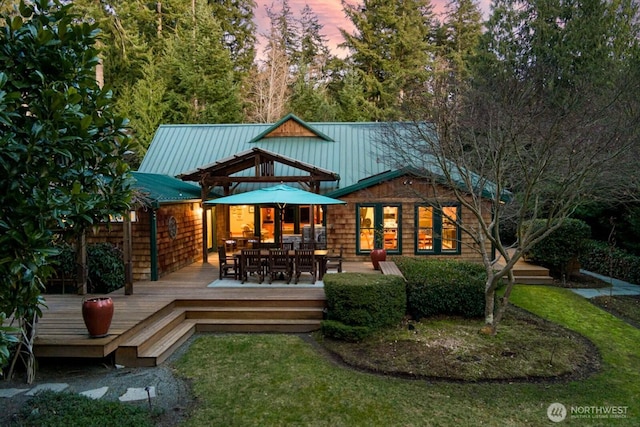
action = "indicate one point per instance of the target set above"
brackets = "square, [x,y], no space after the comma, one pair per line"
[81,263]
[489,308]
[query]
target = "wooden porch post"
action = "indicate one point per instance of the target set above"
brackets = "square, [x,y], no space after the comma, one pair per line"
[127,252]
[205,226]
[81,263]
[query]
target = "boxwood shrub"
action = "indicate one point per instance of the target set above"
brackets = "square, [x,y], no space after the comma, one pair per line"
[600,258]
[443,287]
[359,304]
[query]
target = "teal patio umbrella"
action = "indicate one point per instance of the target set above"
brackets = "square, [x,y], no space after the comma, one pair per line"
[280,195]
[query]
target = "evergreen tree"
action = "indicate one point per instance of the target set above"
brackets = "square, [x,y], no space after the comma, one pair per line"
[284,30]
[145,105]
[314,51]
[236,19]
[392,48]
[462,31]
[348,91]
[201,81]
[310,99]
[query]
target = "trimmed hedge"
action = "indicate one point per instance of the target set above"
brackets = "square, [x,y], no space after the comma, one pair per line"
[600,258]
[359,304]
[437,287]
[560,247]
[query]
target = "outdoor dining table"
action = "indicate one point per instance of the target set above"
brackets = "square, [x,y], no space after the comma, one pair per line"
[320,256]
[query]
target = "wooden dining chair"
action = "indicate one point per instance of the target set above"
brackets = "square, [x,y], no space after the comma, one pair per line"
[308,245]
[280,263]
[305,262]
[334,261]
[251,261]
[228,266]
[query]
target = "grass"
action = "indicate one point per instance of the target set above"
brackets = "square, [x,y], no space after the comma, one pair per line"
[51,409]
[250,380]
[625,307]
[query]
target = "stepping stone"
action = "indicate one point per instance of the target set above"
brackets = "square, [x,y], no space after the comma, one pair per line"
[95,393]
[10,392]
[57,387]
[138,394]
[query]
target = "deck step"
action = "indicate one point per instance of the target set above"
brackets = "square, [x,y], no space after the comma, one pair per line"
[153,330]
[263,325]
[253,303]
[161,350]
[158,337]
[254,313]
[533,280]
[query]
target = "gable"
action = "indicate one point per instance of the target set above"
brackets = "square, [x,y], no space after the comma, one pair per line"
[291,126]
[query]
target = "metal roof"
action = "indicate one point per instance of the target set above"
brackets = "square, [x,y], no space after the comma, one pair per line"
[160,189]
[353,152]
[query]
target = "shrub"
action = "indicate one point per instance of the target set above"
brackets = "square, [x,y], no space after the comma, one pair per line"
[104,263]
[106,267]
[359,304]
[436,287]
[340,331]
[561,247]
[603,259]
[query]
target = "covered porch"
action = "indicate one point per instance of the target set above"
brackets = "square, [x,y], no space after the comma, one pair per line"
[246,223]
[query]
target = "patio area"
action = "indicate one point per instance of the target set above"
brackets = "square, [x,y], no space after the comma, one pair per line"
[153,322]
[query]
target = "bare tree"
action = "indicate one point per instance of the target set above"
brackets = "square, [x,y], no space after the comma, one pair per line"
[533,138]
[269,90]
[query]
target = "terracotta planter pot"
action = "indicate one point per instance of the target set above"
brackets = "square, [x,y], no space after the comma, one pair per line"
[378,255]
[97,314]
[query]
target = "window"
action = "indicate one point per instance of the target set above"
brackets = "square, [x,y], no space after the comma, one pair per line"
[437,230]
[379,226]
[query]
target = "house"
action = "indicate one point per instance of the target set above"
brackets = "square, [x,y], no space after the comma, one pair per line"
[166,229]
[387,208]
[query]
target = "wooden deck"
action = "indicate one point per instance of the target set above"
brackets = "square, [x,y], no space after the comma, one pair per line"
[169,311]
[150,324]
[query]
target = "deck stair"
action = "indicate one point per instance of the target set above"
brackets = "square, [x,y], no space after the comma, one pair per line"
[152,341]
[529,274]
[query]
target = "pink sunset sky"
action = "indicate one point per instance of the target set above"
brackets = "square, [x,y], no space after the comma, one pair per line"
[332,17]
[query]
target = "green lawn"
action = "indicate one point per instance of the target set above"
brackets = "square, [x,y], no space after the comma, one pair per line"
[251,380]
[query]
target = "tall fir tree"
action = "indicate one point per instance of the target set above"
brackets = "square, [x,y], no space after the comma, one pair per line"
[309,97]
[145,106]
[314,50]
[201,82]
[236,18]
[462,30]
[392,48]
[284,29]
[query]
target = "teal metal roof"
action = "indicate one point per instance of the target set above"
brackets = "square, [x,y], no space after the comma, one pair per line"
[353,151]
[160,189]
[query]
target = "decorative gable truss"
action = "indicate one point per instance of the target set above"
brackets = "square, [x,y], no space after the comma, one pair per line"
[225,172]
